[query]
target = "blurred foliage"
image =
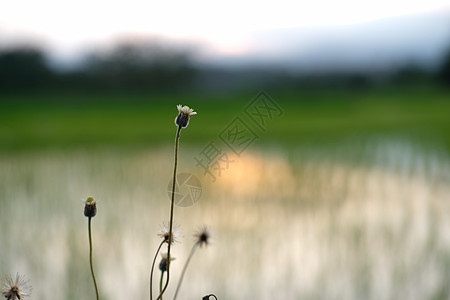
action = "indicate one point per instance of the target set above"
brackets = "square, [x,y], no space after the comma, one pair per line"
[127,67]
[156,66]
[444,71]
[130,66]
[23,69]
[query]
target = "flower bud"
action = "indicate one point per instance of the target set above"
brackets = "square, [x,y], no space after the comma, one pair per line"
[90,209]
[164,261]
[184,112]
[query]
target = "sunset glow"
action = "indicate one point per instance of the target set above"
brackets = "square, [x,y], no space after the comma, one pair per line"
[74,24]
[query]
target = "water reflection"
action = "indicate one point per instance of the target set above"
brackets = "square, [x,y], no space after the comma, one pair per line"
[356,221]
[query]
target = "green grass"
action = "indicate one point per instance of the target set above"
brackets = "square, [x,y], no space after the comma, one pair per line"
[42,121]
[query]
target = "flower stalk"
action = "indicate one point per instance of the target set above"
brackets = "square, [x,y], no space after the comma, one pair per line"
[90,257]
[161,282]
[90,211]
[172,202]
[181,121]
[185,268]
[151,271]
[203,237]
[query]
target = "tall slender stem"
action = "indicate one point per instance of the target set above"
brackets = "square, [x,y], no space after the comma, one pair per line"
[185,268]
[90,257]
[177,139]
[151,271]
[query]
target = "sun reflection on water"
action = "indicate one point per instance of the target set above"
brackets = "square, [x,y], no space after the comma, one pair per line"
[307,225]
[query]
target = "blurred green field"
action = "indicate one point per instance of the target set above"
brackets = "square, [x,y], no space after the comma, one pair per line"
[97,120]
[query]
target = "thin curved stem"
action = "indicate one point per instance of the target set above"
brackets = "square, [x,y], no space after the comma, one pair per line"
[90,257]
[177,139]
[185,268]
[153,266]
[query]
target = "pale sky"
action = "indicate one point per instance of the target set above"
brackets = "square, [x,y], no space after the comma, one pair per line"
[227,28]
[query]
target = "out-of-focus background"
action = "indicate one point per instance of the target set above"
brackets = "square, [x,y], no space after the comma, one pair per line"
[321,146]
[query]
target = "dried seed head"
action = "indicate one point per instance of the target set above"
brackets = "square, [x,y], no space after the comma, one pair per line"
[165,233]
[203,236]
[15,290]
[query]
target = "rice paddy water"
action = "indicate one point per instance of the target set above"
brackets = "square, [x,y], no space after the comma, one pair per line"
[360,219]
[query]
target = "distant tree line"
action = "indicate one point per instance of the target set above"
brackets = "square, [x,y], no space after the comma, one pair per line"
[127,66]
[24,68]
[130,67]
[444,71]
[156,67]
